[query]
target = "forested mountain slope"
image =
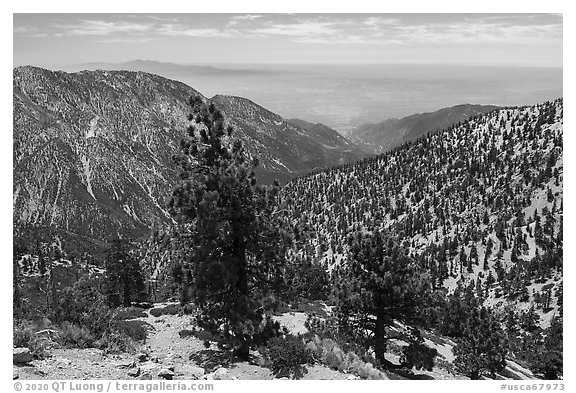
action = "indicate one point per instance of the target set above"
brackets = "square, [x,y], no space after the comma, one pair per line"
[480,202]
[391,133]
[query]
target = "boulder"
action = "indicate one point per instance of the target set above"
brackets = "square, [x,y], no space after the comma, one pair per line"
[22,356]
[166,374]
[141,357]
[220,373]
[145,376]
[134,372]
[191,372]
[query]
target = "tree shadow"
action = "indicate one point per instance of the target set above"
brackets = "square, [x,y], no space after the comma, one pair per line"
[411,375]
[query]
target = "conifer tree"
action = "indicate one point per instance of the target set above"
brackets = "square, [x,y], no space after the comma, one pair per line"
[17,252]
[123,280]
[483,347]
[381,283]
[547,358]
[235,247]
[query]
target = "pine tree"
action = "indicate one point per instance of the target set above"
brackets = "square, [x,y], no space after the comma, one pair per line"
[380,283]
[483,347]
[547,358]
[123,280]
[235,249]
[17,309]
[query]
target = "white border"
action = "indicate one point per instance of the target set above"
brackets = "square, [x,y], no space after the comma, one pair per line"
[300,6]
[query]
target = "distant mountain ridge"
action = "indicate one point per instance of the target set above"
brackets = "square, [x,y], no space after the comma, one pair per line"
[383,136]
[93,150]
[161,68]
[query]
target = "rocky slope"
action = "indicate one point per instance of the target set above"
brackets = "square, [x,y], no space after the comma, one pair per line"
[390,133]
[285,149]
[93,150]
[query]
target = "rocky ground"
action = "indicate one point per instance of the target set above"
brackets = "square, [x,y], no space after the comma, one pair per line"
[165,355]
[169,354]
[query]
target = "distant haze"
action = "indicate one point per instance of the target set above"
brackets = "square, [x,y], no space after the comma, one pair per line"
[345,96]
[338,69]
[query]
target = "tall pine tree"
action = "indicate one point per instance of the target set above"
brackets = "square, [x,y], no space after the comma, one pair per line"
[123,280]
[235,250]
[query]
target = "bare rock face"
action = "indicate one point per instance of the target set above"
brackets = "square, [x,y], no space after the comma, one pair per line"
[21,356]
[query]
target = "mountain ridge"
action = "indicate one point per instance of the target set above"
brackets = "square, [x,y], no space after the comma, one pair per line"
[92,151]
[392,132]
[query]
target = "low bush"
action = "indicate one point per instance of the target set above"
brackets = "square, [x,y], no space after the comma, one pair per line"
[24,335]
[327,329]
[267,330]
[116,342]
[136,330]
[286,355]
[72,335]
[187,333]
[368,371]
[326,351]
[171,309]
[419,356]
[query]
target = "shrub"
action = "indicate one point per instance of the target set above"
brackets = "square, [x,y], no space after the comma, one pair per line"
[367,371]
[187,333]
[171,309]
[419,356]
[335,359]
[73,335]
[136,330]
[326,351]
[24,335]
[267,330]
[116,342]
[83,305]
[286,355]
[327,329]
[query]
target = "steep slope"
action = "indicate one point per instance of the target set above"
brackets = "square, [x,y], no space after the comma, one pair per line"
[93,150]
[327,136]
[283,148]
[477,203]
[390,133]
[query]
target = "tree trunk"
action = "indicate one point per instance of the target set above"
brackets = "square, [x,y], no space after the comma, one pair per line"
[240,255]
[243,351]
[380,338]
[127,299]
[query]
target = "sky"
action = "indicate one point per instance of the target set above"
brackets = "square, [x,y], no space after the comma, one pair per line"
[518,40]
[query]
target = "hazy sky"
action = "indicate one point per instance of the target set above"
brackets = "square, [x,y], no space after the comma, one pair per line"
[470,39]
